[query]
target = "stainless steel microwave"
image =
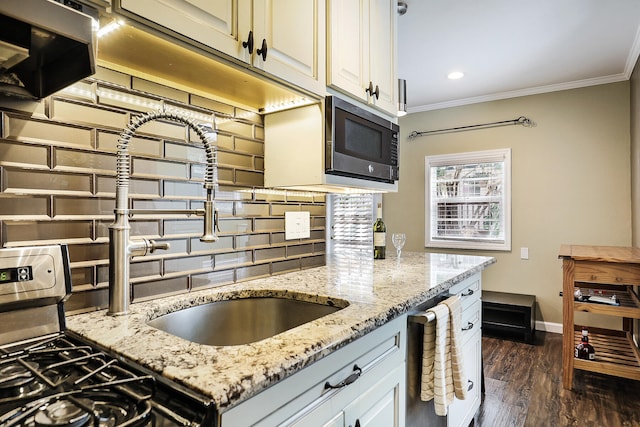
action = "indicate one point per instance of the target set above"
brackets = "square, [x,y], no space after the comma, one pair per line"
[358,143]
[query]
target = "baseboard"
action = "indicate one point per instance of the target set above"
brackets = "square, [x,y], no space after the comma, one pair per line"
[555,328]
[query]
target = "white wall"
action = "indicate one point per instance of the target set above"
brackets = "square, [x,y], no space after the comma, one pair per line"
[570,180]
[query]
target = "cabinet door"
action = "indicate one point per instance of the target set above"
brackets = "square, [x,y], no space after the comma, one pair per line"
[220,24]
[461,412]
[381,405]
[348,49]
[382,54]
[362,50]
[322,417]
[294,33]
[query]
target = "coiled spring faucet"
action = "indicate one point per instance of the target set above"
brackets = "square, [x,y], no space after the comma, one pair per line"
[121,247]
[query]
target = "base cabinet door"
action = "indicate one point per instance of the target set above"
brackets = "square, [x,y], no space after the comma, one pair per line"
[382,405]
[461,412]
[376,403]
[319,418]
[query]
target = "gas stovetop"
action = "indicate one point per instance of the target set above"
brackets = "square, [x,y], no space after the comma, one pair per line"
[51,377]
[56,382]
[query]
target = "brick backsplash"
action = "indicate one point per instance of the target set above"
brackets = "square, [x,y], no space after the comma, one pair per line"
[57,164]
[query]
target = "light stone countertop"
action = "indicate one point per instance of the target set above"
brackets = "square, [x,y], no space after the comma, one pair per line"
[377,292]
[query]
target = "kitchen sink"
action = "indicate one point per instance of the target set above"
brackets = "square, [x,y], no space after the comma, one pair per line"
[243,320]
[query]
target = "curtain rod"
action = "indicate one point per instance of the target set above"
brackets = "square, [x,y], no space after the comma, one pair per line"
[522,120]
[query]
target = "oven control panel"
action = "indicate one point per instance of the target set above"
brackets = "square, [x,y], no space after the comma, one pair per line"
[34,272]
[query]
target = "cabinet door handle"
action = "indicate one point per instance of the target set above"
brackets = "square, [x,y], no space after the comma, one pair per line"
[470,385]
[468,327]
[373,92]
[249,43]
[468,293]
[263,50]
[349,380]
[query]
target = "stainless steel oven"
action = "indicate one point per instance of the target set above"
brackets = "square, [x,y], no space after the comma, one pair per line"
[51,377]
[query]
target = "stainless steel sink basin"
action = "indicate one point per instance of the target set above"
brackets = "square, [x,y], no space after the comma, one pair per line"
[241,321]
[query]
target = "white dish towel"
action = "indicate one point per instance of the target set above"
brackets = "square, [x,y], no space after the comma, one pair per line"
[442,368]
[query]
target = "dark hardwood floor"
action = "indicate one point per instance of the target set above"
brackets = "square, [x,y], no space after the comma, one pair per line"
[523,387]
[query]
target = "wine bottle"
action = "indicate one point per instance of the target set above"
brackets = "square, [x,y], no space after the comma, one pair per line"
[584,350]
[379,236]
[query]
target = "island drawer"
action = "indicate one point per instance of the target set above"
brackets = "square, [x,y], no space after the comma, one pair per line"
[471,320]
[469,290]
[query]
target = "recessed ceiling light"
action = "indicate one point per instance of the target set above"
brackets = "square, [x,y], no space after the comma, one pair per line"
[455,75]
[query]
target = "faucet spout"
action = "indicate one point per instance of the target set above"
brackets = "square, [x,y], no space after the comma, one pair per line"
[121,247]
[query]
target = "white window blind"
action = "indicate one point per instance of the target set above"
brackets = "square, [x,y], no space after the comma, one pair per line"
[468,200]
[352,219]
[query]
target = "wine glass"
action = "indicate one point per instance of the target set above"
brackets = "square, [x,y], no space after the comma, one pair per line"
[398,240]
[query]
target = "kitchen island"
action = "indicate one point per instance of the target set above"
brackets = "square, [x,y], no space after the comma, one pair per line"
[376,291]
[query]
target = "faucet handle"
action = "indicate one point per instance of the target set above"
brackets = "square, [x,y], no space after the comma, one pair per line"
[153,246]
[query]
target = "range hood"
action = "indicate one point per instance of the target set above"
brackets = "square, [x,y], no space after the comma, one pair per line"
[45,46]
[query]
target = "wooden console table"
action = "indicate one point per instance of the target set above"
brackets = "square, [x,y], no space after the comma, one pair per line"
[601,270]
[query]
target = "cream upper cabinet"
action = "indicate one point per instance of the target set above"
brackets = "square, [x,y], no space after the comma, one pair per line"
[285,38]
[382,53]
[362,51]
[217,24]
[293,33]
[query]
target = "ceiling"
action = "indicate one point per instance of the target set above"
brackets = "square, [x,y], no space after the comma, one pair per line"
[510,48]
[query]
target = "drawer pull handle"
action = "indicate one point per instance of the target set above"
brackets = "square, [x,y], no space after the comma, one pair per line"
[468,293]
[468,327]
[349,380]
[470,385]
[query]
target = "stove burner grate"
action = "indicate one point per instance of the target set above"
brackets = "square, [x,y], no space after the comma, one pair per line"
[81,408]
[17,380]
[61,381]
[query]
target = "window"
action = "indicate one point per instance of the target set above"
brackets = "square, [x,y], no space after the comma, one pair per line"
[352,221]
[468,200]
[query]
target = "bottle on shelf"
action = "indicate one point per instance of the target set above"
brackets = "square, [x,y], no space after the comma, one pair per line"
[584,350]
[379,236]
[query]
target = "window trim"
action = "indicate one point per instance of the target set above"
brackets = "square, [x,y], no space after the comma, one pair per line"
[461,159]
